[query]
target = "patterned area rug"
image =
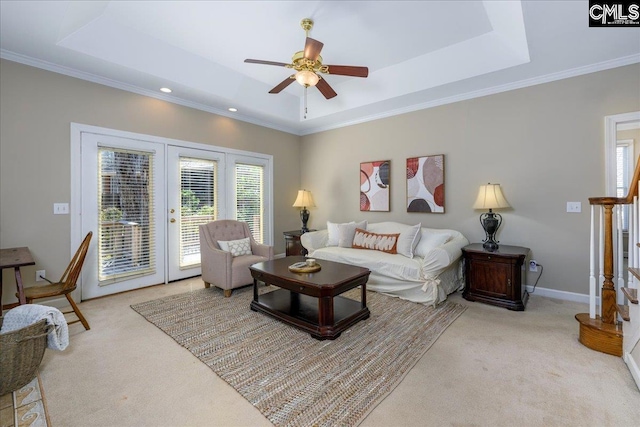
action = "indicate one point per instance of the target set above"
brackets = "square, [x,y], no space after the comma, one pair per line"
[24,407]
[292,378]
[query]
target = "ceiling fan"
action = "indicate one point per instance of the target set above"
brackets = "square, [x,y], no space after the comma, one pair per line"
[308,63]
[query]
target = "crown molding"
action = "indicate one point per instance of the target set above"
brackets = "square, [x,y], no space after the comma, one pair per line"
[574,72]
[60,69]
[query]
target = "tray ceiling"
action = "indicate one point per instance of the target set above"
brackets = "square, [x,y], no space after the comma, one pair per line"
[419,54]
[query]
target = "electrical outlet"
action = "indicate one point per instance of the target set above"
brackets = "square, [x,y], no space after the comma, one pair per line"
[533,266]
[39,275]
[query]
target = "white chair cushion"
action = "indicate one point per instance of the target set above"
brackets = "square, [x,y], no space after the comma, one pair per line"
[236,247]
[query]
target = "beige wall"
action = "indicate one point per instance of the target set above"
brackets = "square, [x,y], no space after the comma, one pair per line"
[36,109]
[544,144]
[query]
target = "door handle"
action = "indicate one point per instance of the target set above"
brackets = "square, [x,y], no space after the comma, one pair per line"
[172,211]
[172,220]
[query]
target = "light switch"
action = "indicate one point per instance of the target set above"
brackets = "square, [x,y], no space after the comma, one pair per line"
[574,207]
[61,208]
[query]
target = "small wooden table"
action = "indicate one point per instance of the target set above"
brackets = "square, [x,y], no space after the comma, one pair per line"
[292,243]
[311,301]
[496,278]
[15,258]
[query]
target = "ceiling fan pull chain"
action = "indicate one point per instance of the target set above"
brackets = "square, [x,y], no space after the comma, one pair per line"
[305,102]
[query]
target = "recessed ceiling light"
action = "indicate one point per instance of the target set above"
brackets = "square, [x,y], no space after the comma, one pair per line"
[232,109]
[165,89]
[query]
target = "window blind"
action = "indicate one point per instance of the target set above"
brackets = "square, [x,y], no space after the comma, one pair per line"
[250,198]
[126,229]
[198,185]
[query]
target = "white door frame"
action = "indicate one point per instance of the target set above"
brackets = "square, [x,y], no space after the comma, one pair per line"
[76,130]
[610,139]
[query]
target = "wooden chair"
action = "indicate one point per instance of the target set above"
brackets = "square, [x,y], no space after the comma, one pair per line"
[66,284]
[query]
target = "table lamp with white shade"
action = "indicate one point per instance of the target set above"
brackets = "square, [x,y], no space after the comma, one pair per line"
[304,201]
[490,197]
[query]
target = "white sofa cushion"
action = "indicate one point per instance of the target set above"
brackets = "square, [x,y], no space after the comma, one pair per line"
[409,235]
[346,232]
[430,239]
[390,265]
[333,229]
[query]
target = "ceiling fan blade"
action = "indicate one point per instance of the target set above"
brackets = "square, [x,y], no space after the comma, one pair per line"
[286,82]
[325,89]
[259,61]
[348,70]
[312,48]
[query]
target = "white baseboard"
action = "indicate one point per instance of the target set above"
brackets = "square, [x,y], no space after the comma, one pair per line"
[563,295]
[633,368]
[276,256]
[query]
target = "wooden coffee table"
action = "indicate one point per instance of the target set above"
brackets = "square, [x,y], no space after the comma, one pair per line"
[311,301]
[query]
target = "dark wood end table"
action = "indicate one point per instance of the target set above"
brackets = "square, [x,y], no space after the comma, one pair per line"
[292,242]
[496,278]
[15,258]
[311,301]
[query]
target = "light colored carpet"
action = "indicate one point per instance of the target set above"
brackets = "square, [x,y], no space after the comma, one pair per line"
[491,367]
[292,378]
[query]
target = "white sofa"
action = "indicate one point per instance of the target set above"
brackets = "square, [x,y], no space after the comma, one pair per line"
[426,268]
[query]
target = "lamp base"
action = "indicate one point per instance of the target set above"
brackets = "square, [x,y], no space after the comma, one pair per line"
[490,222]
[304,216]
[490,245]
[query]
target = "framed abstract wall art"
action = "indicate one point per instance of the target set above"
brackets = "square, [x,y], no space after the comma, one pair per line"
[374,186]
[425,184]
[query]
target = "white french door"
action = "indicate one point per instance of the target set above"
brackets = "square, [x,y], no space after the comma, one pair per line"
[143,197]
[195,185]
[123,196]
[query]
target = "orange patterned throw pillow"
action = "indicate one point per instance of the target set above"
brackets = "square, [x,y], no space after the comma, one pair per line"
[380,242]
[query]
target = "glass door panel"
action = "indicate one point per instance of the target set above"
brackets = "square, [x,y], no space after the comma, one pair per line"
[194,186]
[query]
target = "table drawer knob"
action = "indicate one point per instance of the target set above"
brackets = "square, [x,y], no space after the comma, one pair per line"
[302,288]
[488,257]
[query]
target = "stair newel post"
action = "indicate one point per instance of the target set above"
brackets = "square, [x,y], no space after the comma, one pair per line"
[605,333]
[608,294]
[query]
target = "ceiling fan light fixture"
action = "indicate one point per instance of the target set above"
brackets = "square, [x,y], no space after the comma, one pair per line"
[307,78]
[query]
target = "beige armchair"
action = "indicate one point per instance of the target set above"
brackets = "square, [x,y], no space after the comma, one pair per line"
[220,268]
